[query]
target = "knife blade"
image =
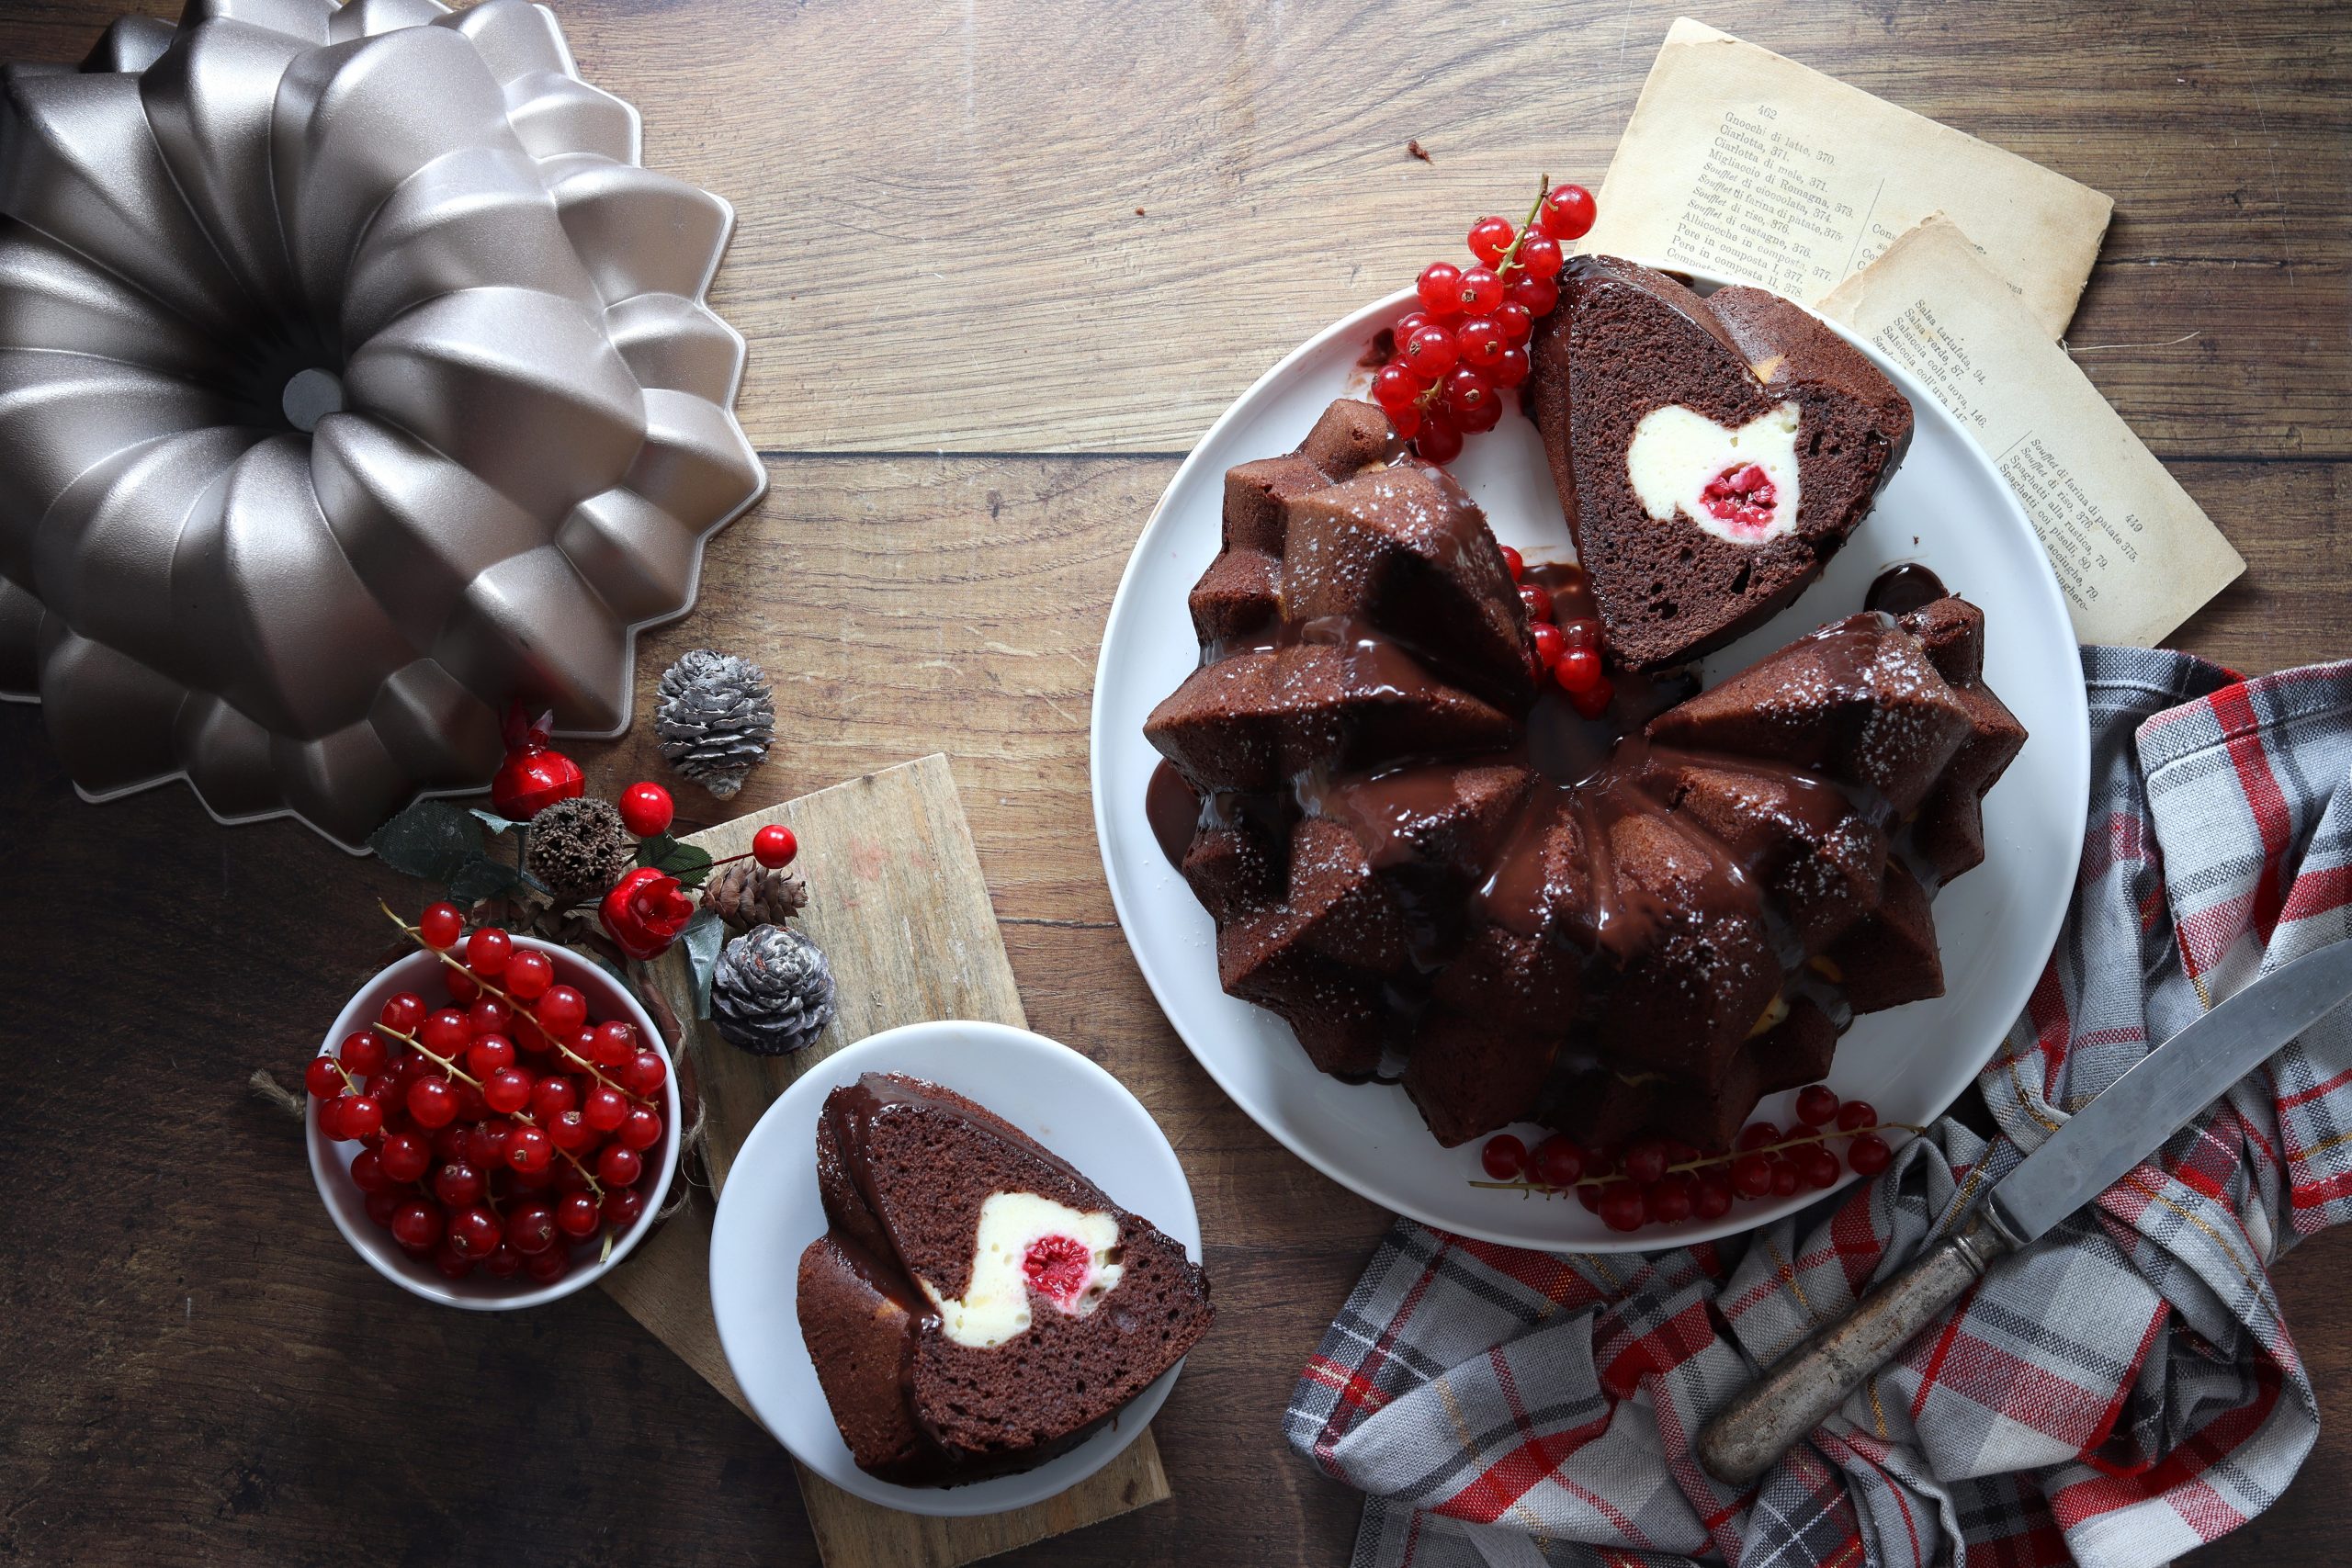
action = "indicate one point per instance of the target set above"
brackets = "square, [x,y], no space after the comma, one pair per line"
[2121,1126]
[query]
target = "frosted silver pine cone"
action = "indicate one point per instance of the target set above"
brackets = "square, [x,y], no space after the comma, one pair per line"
[772,993]
[747,895]
[715,719]
[579,848]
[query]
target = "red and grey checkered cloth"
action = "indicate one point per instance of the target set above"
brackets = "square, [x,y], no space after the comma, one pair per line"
[2117,1395]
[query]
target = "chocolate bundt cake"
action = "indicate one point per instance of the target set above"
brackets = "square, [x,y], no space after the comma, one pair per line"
[977,1306]
[1437,872]
[1711,454]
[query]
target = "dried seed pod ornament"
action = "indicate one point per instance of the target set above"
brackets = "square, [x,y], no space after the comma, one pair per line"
[714,718]
[579,848]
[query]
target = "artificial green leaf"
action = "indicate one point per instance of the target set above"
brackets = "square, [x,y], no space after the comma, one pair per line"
[702,939]
[430,838]
[478,878]
[687,863]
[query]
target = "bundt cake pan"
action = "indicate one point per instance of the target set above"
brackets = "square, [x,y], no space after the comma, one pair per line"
[354,380]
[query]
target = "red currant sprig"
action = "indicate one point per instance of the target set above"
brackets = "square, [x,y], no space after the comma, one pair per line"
[1467,345]
[561,1008]
[1569,652]
[1659,1181]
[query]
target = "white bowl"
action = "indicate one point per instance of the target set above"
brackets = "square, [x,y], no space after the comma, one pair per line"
[347,1206]
[769,1213]
[1947,506]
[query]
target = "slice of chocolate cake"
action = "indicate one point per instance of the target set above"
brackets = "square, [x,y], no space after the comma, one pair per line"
[977,1306]
[1711,454]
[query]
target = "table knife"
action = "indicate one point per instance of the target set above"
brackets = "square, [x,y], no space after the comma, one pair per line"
[2098,1145]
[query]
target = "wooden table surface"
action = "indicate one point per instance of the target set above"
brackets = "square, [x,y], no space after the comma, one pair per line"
[975,363]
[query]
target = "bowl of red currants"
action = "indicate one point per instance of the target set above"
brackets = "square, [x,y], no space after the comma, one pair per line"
[492,1120]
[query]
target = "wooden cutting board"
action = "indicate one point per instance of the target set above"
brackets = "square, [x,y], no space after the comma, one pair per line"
[898,903]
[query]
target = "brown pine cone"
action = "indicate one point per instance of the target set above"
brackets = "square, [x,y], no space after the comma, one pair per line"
[746,895]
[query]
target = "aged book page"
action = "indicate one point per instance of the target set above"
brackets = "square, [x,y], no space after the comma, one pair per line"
[1742,163]
[2135,555]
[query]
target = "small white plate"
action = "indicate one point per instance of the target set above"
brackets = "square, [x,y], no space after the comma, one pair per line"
[769,1213]
[1947,506]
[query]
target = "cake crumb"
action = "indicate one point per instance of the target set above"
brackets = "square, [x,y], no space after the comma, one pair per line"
[1138,212]
[1418,151]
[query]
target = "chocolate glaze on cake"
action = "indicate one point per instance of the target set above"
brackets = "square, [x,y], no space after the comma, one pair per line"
[977,1306]
[1643,924]
[1711,454]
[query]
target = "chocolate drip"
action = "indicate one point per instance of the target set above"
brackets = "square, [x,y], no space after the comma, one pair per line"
[1174,807]
[1899,590]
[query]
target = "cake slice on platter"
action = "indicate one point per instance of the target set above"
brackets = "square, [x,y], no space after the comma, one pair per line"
[1711,454]
[977,1306]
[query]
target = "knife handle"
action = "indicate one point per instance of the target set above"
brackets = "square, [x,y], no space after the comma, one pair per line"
[1801,1389]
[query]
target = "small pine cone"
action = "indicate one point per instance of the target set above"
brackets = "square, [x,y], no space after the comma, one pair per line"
[748,895]
[772,993]
[714,718]
[579,848]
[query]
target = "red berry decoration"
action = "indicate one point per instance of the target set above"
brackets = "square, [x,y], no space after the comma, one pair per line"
[1516,325]
[1480,291]
[617,1166]
[457,1185]
[552,1096]
[615,1043]
[1757,1135]
[1538,600]
[530,1228]
[576,1215]
[1489,238]
[1817,1107]
[644,1074]
[446,1032]
[1440,440]
[360,1116]
[404,1155]
[534,775]
[439,926]
[548,1266]
[646,808]
[1541,255]
[1537,296]
[1868,1154]
[1623,1207]
[1513,562]
[529,973]
[1478,343]
[1512,368]
[1566,213]
[487,952]
[1594,700]
[604,1110]
[1439,286]
[1668,1200]
[432,1103]
[1785,1177]
[323,1078]
[1645,1161]
[1854,1116]
[1818,1165]
[361,1053]
[1710,1197]
[1394,388]
[1504,1157]
[506,1091]
[1558,1161]
[622,1207]
[1429,353]
[776,846]
[644,913]
[417,1226]
[1578,669]
[402,1012]
[639,1130]
[475,1233]
[563,1011]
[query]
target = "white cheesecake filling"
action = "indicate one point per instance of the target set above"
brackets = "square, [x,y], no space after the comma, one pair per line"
[1027,1248]
[1683,463]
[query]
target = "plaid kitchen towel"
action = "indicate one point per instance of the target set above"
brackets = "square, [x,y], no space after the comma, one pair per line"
[2117,1395]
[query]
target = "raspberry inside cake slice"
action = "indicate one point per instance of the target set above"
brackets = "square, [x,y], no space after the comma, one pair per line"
[977,1306]
[1711,454]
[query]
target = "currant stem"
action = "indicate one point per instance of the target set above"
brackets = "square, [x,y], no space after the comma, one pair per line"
[520,1010]
[1510,254]
[1805,1141]
[455,1071]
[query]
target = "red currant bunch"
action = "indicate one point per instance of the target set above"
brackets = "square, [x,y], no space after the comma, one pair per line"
[1466,345]
[1660,1181]
[504,1131]
[1568,651]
